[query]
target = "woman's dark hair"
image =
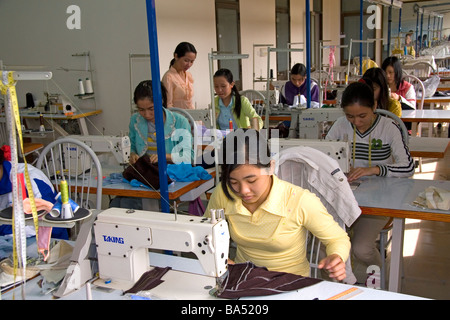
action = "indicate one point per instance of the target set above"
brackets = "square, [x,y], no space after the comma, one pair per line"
[378,76]
[242,146]
[229,77]
[181,50]
[360,93]
[395,63]
[144,91]
[299,69]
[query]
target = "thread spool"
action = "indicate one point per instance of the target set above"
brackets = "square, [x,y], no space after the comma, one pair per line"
[66,208]
[80,87]
[89,88]
[41,123]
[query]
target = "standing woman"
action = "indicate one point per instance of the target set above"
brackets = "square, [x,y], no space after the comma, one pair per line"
[178,80]
[231,106]
[401,89]
[378,149]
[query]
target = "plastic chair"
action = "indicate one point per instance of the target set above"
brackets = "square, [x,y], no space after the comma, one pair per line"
[257,100]
[194,131]
[292,165]
[73,161]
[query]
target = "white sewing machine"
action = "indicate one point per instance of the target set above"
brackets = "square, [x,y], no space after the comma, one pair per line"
[122,240]
[315,123]
[338,150]
[120,147]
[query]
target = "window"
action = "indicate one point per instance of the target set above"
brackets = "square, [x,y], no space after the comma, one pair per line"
[228,36]
[282,11]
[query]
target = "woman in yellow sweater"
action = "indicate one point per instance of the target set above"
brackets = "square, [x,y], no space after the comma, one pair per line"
[376,77]
[268,218]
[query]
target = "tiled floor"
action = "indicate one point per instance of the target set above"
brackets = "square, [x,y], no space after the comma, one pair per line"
[426,269]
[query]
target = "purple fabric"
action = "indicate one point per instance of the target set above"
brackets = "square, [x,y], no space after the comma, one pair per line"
[247,280]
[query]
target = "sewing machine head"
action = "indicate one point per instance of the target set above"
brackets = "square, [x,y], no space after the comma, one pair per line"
[338,150]
[120,147]
[124,236]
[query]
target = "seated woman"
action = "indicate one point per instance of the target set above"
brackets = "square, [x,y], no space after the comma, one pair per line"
[231,106]
[378,149]
[268,218]
[401,89]
[142,133]
[297,86]
[177,130]
[376,77]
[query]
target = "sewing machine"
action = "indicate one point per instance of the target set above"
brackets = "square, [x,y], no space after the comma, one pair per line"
[338,150]
[122,240]
[120,147]
[315,123]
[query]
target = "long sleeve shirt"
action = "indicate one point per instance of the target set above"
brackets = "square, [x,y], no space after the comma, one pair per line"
[274,235]
[175,142]
[384,139]
[289,91]
[223,114]
[180,92]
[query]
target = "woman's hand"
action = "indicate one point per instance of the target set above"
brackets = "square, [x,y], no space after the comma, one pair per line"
[356,173]
[133,158]
[334,266]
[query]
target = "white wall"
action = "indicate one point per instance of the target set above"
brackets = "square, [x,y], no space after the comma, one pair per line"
[34,33]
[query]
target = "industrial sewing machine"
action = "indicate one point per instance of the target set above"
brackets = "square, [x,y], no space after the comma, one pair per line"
[120,147]
[122,240]
[338,150]
[315,123]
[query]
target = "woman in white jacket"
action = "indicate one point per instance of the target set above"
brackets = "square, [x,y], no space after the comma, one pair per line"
[378,148]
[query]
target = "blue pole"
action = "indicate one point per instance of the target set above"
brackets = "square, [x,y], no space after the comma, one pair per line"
[157,100]
[308,54]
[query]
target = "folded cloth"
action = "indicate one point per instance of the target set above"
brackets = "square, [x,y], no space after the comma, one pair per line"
[186,172]
[247,280]
[434,198]
[149,280]
[144,171]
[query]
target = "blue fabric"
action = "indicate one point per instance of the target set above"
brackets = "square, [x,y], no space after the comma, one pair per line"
[186,172]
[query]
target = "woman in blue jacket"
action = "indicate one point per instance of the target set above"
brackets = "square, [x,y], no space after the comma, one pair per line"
[177,130]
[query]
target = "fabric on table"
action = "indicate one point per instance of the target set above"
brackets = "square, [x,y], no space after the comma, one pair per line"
[149,280]
[246,280]
[186,172]
[144,171]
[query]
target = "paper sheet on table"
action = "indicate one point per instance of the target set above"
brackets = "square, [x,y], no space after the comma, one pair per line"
[434,198]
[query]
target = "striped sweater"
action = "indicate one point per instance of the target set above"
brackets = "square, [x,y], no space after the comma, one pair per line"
[388,149]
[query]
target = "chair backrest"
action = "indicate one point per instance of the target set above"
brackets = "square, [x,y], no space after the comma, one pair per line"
[72,160]
[194,131]
[257,99]
[294,165]
[399,122]
[421,69]
[418,87]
